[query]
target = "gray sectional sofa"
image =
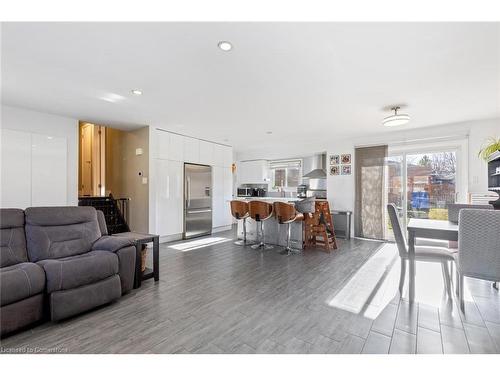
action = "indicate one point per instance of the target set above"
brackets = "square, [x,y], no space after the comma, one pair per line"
[22,283]
[56,259]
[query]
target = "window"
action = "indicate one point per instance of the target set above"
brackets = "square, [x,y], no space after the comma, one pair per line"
[286,173]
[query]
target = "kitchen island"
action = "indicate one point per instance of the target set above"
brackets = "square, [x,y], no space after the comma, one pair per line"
[275,234]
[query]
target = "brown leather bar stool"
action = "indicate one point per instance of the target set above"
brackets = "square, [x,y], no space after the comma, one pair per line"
[287,214]
[260,212]
[239,210]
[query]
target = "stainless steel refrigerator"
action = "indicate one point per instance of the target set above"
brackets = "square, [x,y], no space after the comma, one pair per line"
[197,200]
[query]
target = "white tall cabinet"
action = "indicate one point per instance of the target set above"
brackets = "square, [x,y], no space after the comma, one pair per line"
[168,156]
[34,169]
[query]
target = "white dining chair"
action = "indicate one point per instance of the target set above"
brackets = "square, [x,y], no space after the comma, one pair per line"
[434,254]
[478,247]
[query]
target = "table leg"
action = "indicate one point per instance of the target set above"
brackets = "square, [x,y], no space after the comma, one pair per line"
[411,263]
[156,258]
[138,273]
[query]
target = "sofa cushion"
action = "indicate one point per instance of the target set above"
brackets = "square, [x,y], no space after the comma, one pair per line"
[12,238]
[72,272]
[112,243]
[20,281]
[59,232]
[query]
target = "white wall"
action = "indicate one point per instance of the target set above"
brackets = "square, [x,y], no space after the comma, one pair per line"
[20,119]
[341,189]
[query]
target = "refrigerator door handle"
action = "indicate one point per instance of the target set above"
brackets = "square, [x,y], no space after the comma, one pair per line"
[188,192]
[199,211]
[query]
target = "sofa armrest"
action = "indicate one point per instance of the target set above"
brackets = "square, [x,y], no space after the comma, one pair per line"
[110,243]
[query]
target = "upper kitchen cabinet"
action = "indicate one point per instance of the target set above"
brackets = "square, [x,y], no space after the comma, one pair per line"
[176,147]
[207,152]
[253,172]
[169,146]
[191,150]
[223,155]
[162,144]
[228,157]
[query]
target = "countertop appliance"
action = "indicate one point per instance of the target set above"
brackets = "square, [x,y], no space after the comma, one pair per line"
[259,192]
[302,191]
[197,200]
[245,192]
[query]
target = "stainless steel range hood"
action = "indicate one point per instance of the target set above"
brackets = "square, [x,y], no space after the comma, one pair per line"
[315,166]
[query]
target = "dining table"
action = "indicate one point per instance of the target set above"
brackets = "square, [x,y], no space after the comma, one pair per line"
[428,229]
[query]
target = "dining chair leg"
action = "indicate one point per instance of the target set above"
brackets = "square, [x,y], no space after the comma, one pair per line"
[457,281]
[446,278]
[461,292]
[402,276]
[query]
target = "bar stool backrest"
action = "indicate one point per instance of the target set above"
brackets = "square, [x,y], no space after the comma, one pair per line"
[285,212]
[260,210]
[239,209]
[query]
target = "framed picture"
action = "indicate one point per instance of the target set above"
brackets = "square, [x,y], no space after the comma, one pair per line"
[334,159]
[335,170]
[346,169]
[345,158]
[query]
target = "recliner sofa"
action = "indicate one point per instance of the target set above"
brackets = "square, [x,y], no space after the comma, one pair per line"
[22,283]
[72,264]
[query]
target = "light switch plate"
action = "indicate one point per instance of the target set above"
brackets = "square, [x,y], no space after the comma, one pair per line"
[138,151]
[144,180]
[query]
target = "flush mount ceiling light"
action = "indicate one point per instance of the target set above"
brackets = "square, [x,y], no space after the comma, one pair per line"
[225,46]
[136,92]
[396,119]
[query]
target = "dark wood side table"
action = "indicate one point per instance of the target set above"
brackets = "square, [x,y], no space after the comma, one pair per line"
[139,239]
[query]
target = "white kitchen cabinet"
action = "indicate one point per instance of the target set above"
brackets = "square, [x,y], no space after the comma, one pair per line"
[218,155]
[48,170]
[162,144]
[217,197]
[206,153]
[16,169]
[169,197]
[253,172]
[227,157]
[169,146]
[228,196]
[176,149]
[222,181]
[191,150]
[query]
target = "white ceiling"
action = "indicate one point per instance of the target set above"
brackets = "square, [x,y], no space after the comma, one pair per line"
[302,81]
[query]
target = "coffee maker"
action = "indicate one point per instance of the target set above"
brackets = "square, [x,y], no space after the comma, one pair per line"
[302,191]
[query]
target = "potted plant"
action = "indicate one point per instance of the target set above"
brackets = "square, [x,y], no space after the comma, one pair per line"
[492,146]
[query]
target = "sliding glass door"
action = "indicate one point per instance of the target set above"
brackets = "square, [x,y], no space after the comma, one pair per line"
[421,184]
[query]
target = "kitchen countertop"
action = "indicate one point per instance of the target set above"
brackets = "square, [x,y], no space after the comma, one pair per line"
[269,199]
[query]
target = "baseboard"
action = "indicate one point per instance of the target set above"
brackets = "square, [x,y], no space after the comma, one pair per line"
[171,238]
[222,229]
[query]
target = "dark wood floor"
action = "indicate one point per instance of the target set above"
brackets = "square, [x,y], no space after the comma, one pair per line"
[216,297]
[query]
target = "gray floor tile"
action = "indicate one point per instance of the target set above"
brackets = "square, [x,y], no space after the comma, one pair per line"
[376,343]
[428,341]
[454,340]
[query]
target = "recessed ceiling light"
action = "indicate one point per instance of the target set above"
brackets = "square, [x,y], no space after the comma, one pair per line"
[396,119]
[269,132]
[136,92]
[225,46]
